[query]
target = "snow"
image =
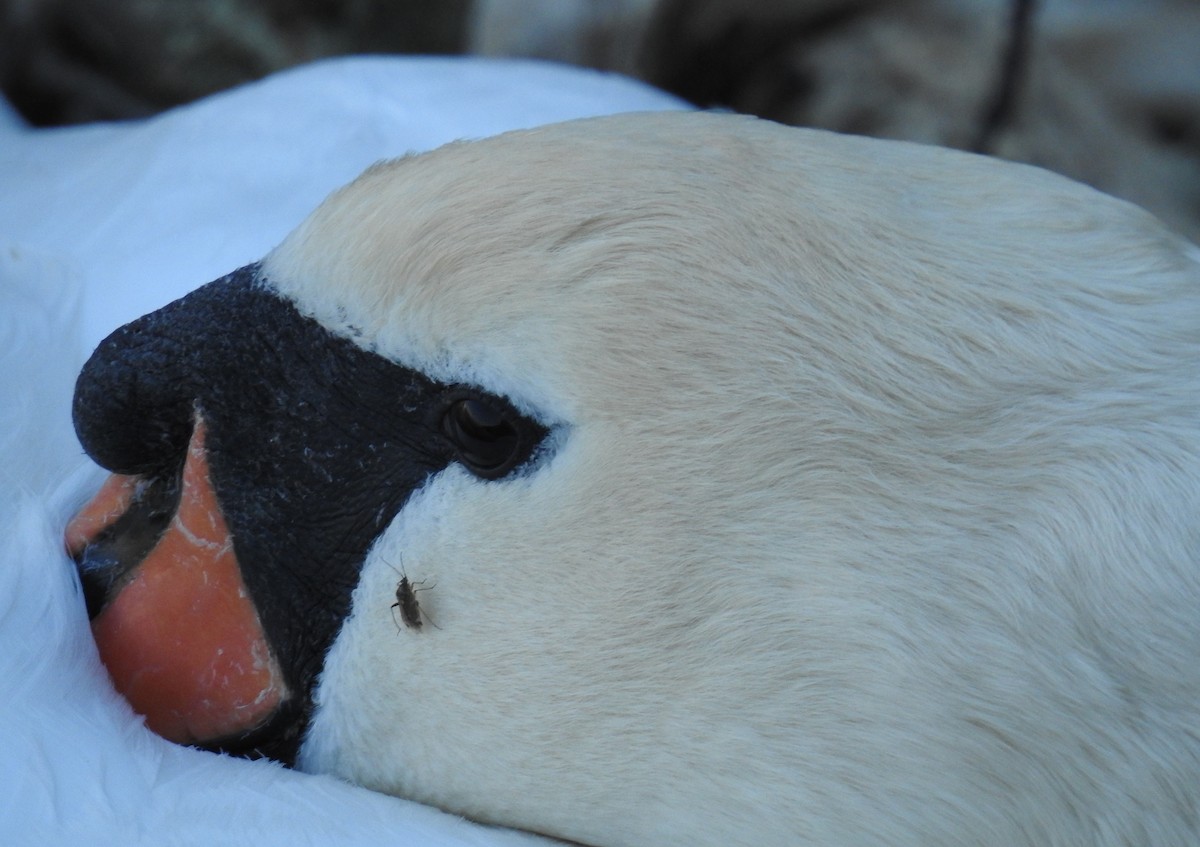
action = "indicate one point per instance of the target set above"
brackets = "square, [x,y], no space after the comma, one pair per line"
[100,224]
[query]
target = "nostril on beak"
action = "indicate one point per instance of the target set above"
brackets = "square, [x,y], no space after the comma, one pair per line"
[134,412]
[98,573]
[104,555]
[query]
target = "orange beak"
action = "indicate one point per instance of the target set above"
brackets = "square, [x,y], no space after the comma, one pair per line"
[179,634]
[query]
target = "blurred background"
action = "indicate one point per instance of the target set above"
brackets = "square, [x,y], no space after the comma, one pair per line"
[1105,91]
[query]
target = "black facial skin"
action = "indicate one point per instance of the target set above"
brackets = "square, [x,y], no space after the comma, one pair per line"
[313,444]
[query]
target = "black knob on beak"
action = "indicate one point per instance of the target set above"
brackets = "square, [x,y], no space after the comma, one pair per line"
[134,399]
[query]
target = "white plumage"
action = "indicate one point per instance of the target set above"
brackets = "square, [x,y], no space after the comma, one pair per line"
[99,224]
[867,513]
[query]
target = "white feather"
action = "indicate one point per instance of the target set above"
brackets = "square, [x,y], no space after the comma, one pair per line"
[872,512]
[100,224]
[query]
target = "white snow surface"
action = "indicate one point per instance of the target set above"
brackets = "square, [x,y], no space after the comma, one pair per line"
[98,225]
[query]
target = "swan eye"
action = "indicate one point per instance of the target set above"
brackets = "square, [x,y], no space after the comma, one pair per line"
[484,435]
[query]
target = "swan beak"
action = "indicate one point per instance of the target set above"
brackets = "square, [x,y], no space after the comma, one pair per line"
[175,625]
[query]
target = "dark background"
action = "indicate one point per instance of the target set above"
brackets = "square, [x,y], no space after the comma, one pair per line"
[1105,91]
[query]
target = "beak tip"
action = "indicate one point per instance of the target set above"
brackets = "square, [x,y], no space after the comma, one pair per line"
[177,630]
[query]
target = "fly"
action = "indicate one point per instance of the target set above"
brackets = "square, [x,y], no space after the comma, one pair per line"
[407,603]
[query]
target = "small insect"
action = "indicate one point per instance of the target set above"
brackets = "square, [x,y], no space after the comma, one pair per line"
[406,602]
